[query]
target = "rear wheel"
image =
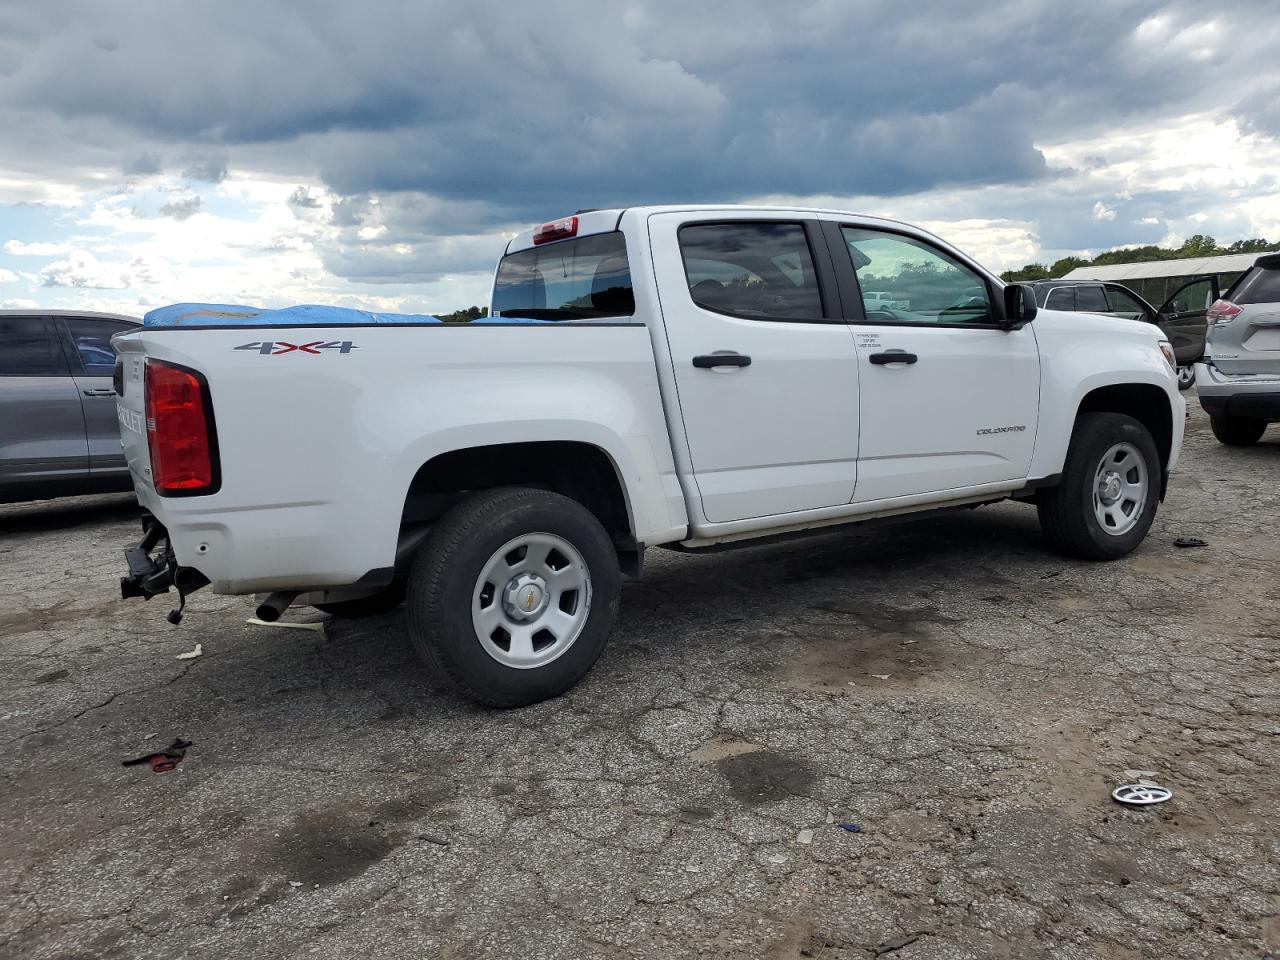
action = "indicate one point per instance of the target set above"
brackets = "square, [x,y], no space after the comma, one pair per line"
[1106,501]
[1186,377]
[513,595]
[1237,431]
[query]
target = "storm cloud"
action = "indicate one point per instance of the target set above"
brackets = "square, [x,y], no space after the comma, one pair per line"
[430,125]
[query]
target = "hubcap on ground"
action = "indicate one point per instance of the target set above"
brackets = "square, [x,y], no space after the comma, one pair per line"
[531,600]
[1120,489]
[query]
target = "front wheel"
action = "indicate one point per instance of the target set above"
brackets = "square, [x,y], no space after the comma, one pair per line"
[513,595]
[1106,501]
[1237,431]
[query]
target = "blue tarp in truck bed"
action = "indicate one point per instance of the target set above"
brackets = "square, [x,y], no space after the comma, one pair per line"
[307,315]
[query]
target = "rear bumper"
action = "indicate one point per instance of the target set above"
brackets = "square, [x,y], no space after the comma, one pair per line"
[1245,395]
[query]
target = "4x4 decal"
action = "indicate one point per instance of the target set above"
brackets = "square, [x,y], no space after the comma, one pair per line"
[273,348]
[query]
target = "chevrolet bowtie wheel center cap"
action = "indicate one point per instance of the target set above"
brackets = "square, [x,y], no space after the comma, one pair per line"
[1109,488]
[524,597]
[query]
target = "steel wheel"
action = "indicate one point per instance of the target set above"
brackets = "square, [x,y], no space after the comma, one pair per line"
[531,600]
[1120,489]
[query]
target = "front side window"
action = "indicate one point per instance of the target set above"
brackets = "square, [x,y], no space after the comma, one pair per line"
[1091,300]
[27,349]
[579,279]
[92,339]
[1125,303]
[758,270]
[904,280]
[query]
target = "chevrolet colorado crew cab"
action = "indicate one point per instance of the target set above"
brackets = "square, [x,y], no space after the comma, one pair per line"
[687,377]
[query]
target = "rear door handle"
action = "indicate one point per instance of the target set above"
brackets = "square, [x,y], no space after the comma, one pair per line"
[99,392]
[893,356]
[708,360]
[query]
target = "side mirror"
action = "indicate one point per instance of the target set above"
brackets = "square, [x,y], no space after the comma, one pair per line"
[1019,305]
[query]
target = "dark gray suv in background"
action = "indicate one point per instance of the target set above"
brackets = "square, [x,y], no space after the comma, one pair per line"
[1182,317]
[58,429]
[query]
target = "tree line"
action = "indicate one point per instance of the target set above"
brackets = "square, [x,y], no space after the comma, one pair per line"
[1196,246]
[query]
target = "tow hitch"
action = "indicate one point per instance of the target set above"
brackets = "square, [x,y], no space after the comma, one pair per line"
[152,573]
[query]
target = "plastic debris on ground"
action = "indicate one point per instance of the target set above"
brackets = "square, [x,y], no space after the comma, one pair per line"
[191,654]
[315,627]
[804,836]
[850,827]
[163,761]
[1187,542]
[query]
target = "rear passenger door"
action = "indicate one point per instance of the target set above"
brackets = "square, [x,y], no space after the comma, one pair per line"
[42,436]
[764,365]
[92,359]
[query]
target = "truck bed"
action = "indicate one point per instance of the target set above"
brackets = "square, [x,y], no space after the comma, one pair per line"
[319,429]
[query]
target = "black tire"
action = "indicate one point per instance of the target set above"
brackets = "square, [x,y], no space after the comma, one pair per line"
[370,606]
[444,576]
[1237,431]
[1067,516]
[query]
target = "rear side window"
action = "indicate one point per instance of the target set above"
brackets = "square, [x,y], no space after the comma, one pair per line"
[1091,300]
[27,349]
[757,270]
[1063,298]
[92,340]
[579,279]
[1259,285]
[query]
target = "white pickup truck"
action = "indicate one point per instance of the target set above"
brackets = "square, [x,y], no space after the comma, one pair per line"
[655,376]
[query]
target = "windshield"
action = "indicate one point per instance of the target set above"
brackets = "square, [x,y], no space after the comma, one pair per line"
[576,279]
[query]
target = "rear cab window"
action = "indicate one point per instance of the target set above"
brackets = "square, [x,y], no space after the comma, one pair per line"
[583,278]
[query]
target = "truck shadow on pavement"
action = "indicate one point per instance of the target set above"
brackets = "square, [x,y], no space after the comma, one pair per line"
[851,602]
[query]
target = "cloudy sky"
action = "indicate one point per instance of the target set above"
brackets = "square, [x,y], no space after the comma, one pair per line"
[378,154]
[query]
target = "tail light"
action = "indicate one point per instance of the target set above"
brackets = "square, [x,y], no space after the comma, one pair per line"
[556,230]
[180,431]
[1222,311]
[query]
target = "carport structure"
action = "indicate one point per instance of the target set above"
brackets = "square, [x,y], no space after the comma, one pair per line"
[1155,280]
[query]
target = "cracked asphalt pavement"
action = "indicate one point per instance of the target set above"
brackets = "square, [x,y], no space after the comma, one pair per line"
[966,698]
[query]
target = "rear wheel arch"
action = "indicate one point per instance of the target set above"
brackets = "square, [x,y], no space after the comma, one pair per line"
[579,470]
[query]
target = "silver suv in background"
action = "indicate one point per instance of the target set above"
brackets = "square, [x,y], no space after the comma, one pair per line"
[58,430]
[1239,378]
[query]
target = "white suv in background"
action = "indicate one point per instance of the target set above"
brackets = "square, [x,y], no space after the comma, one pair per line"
[1239,379]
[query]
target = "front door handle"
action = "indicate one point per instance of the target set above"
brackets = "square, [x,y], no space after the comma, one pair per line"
[100,392]
[708,360]
[893,356]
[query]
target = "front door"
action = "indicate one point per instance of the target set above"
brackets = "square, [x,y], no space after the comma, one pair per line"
[764,366]
[1183,317]
[41,426]
[949,399]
